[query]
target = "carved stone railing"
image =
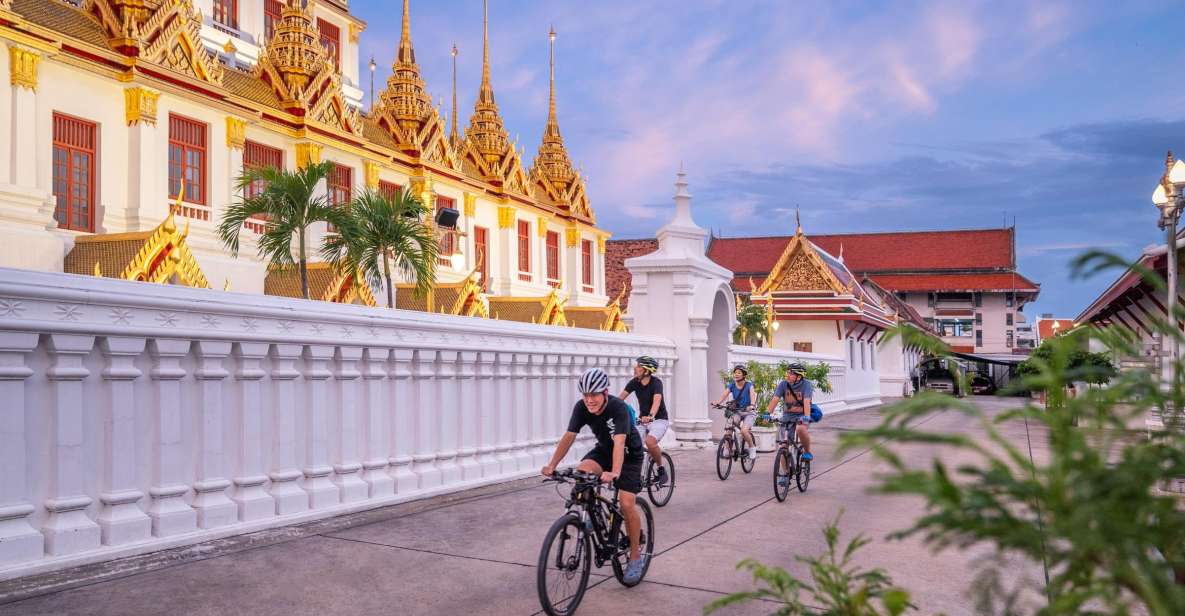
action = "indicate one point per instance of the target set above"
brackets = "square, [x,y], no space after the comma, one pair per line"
[135,417]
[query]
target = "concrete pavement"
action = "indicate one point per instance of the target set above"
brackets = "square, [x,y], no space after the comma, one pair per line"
[475,553]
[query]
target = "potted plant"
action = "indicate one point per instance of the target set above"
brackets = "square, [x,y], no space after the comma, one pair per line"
[765,379]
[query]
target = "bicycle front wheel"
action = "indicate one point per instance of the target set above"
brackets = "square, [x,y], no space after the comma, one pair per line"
[724,458]
[565,562]
[660,495]
[747,462]
[782,468]
[803,475]
[645,545]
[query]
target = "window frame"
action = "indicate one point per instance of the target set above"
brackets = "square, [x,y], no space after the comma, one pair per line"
[552,244]
[524,250]
[221,9]
[334,50]
[60,142]
[250,150]
[389,189]
[270,19]
[586,263]
[481,254]
[203,149]
[333,184]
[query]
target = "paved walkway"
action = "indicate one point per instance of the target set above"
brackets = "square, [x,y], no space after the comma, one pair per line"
[475,553]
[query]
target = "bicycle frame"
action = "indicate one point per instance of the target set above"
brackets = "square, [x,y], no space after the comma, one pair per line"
[587,504]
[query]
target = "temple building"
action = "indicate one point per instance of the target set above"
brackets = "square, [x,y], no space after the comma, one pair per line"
[128,120]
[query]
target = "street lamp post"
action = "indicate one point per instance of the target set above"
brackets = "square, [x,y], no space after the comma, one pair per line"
[372,67]
[1168,198]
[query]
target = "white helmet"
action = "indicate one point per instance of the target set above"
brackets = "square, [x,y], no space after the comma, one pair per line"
[594,381]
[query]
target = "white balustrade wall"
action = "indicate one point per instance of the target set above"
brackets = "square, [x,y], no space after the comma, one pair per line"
[847,393]
[136,417]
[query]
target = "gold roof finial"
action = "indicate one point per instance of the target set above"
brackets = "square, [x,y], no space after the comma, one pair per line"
[405,105]
[552,164]
[453,136]
[98,272]
[797,221]
[486,129]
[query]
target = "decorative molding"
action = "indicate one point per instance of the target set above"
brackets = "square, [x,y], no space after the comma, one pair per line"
[355,31]
[470,205]
[236,132]
[140,105]
[22,67]
[371,171]
[572,234]
[307,153]
[541,225]
[505,216]
[601,244]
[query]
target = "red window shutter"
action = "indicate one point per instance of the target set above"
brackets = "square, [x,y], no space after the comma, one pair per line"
[524,249]
[448,243]
[258,155]
[74,158]
[553,257]
[341,185]
[187,158]
[331,39]
[389,189]
[226,13]
[271,16]
[586,263]
[481,248]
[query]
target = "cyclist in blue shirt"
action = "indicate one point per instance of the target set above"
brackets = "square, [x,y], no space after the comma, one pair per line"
[795,391]
[741,390]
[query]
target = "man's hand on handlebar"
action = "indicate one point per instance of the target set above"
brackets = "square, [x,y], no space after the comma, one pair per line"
[608,477]
[548,471]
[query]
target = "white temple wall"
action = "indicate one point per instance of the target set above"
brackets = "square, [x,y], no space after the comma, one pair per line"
[821,334]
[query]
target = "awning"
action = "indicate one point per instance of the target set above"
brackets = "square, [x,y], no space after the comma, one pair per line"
[1003,359]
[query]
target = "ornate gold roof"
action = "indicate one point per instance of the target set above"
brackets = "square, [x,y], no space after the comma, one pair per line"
[404,106]
[552,173]
[604,318]
[164,32]
[160,255]
[545,310]
[463,298]
[325,283]
[300,72]
[800,268]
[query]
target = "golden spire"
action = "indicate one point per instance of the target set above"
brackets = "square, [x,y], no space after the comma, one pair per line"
[552,163]
[453,136]
[405,103]
[486,130]
[797,222]
[295,49]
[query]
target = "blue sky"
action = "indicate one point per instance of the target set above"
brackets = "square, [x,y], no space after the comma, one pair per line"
[870,116]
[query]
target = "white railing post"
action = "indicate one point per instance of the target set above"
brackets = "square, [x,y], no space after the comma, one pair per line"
[213,507]
[346,466]
[445,415]
[170,514]
[467,411]
[569,367]
[537,406]
[19,541]
[522,411]
[289,496]
[504,401]
[402,404]
[485,409]
[120,517]
[425,410]
[254,503]
[320,488]
[552,378]
[377,420]
[68,529]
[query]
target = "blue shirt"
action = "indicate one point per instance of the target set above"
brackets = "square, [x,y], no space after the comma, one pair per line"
[801,390]
[743,395]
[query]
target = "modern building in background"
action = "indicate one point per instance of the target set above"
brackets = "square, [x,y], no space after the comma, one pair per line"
[127,124]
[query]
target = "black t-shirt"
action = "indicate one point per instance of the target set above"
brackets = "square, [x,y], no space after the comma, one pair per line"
[645,394]
[615,419]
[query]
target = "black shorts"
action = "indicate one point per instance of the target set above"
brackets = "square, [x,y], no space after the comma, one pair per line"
[631,469]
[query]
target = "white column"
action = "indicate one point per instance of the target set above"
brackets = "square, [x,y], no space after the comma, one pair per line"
[148,193]
[403,406]
[467,411]
[170,514]
[5,120]
[320,488]
[24,145]
[68,530]
[522,413]
[120,518]
[504,401]
[553,375]
[284,473]
[213,507]
[444,413]
[377,415]
[254,503]
[485,411]
[19,541]
[425,410]
[346,464]
[538,406]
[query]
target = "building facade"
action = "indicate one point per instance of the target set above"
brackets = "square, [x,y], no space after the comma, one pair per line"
[125,116]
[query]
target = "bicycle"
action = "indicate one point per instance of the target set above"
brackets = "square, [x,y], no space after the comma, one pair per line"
[659,495]
[789,457]
[731,446]
[591,529]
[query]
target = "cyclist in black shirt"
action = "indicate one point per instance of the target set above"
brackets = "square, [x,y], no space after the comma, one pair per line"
[652,410]
[617,455]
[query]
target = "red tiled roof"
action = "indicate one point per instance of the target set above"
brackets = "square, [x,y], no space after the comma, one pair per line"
[616,275]
[1045,327]
[878,252]
[955,282]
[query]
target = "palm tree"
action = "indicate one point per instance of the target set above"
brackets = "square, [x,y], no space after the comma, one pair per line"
[288,206]
[382,230]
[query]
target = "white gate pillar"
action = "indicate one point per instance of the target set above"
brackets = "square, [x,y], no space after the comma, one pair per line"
[674,295]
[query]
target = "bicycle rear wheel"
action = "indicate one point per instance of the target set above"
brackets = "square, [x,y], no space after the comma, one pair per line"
[802,476]
[783,468]
[724,458]
[747,462]
[660,496]
[565,562]
[645,545]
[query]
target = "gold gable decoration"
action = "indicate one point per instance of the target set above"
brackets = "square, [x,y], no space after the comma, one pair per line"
[604,318]
[800,268]
[545,310]
[463,298]
[299,71]
[347,288]
[326,283]
[164,32]
[161,256]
